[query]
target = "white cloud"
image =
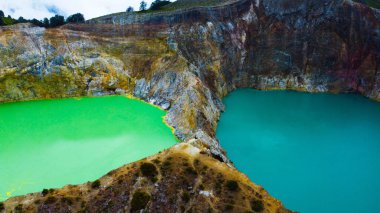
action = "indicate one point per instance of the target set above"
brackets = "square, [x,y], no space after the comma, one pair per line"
[45,8]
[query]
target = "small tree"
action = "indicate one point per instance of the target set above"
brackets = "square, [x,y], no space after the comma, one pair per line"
[139,201]
[130,9]
[21,20]
[37,22]
[46,22]
[57,21]
[143,5]
[1,18]
[158,4]
[76,18]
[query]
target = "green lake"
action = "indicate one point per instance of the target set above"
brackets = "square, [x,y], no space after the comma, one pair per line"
[314,152]
[52,143]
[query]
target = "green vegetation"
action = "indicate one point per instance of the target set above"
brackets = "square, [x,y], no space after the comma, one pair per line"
[76,18]
[232,185]
[164,5]
[130,9]
[54,21]
[2,204]
[158,4]
[185,197]
[95,184]
[229,207]
[7,21]
[257,205]
[194,3]
[189,170]
[45,192]
[148,170]
[139,201]
[67,200]
[143,6]
[57,21]
[18,208]
[50,200]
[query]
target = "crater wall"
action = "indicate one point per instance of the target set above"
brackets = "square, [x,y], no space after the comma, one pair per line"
[186,61]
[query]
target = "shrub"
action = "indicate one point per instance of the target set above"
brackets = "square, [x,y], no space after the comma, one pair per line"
[148,170]
[232,185]
[158,4]
[57,21]
[76,18]
[156,161]
[202,187]
[2,206]
[130,9]
[45,192]
[139,201]
[219,158]
[18,208]
[36,22]
[229,207]
[185,197]
[95,184]
[189,170]
[67,200]
[50,200]
[154,179]
[46,22]
[257,205]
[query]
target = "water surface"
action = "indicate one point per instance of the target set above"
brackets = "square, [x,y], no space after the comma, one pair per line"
[314,152]
[51,143]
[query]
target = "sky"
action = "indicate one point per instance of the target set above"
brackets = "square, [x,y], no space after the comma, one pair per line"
[40,9]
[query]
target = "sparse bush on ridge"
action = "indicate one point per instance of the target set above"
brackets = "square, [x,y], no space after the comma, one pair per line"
[95,184]
[232,185]
[257,205]
[44,192]
[148,170]
[18,208]
[139,201]
[185,197]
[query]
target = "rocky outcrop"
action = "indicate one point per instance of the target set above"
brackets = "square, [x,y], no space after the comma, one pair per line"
[186,61]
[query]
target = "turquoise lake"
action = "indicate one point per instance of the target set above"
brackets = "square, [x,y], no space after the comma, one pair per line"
[314,152]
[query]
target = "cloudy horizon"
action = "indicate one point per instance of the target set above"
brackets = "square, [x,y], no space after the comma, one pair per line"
[40,9]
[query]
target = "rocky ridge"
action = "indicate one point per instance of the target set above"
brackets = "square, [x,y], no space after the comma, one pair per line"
[186,61]
[180,179]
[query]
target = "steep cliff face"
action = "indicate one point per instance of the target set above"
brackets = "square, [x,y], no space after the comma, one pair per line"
[314,46]
[186,61]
